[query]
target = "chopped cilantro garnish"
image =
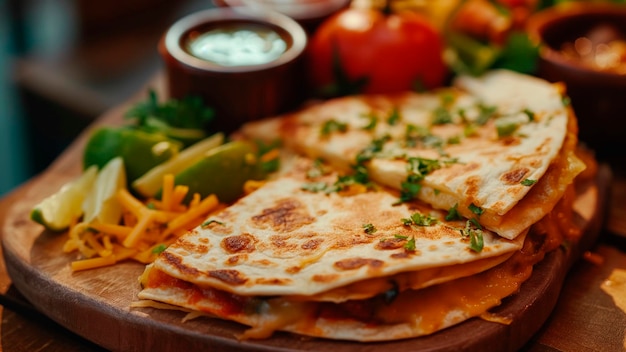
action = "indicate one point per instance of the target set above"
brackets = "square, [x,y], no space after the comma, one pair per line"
[373,121]
[209,222]
[506,128]
[401,237]
[476,240]
[409,246]
[316,170]
[528,182]
[331,126]
[453,213]
[530,114]
[419,219]
[314,187]
[475,235]
[159,249]
[394,117]
[441,116]
[417,169]
[485,114]
[476,209]
[369,229]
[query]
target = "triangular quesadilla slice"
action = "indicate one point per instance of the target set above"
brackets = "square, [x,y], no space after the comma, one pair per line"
[484,145]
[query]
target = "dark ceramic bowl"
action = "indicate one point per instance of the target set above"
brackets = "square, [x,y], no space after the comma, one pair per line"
[309,13]
[239,90]
[598,95]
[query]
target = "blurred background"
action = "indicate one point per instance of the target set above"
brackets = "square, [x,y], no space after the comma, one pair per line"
[65,62]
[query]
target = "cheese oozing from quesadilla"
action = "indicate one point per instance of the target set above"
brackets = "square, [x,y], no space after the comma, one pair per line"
[338,250]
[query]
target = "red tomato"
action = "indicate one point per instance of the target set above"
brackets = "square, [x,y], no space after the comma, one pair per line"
[384,52]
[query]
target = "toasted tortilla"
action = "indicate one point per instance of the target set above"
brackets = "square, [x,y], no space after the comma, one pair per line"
[486,170]
[286,240]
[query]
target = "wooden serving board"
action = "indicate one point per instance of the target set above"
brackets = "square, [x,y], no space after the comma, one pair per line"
[95,304]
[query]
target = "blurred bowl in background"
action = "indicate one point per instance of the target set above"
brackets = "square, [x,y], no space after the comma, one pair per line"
[584,46]
[244,64]
[309,13]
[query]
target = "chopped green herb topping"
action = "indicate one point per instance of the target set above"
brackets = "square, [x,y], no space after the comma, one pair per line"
[453,213]
[419,219]
[159,249]
[409,246]
[506,128]
[394,117]
[441,116]
[417,169]
[314,187]
[368,153]
[475,235]
[209,222]
[331,126]
[485,114]
[528,182]
[476,209]
[316,170]
[369,228]
[530,114]
[373,121]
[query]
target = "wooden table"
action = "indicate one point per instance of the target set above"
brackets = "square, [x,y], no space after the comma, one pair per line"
[585,318]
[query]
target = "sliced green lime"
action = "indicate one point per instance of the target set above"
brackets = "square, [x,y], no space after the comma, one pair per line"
[222,171]
[59,210]
[140,150]
[101,203]
[151,182]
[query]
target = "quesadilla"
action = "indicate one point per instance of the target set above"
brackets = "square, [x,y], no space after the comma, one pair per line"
[501,137]
[392,228]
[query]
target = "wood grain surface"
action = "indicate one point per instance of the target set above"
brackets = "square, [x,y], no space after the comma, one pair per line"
[95,304]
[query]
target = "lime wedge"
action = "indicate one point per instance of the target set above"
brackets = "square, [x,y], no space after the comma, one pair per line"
[57,211]
[222,171]
[151,182]
[101,204]
[140,150]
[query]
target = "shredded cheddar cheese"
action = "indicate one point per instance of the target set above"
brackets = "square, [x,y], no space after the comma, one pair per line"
[146,227]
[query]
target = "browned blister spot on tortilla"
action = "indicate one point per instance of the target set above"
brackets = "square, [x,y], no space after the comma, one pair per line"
[177,262]
[390,243]
[229,276]
[325,278]
[405,254]
[272,281]
[264,262]
[236,259]
[355,263]
[312,244]
[515,176]
[293,269]
[286,215]
[472,185]
[352,241]
[281,243]
[190,246]
[243,243]
[510,140]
